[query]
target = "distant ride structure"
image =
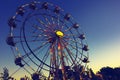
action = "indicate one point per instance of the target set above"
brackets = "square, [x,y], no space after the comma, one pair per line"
[46,41]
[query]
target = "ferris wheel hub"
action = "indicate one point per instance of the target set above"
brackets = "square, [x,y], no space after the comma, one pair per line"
[59,33]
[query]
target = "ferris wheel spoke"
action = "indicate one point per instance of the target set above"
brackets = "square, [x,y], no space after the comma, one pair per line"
[37,28]
[31,59]
[41,22]
[13,52]
[28,65]
[53,22]
[36,49]
[62,20]
[80,54]
[63,24]
[46,19]
[58,21]
[60,54]
[71,35]
[23,37]
[26,55]
[44,59]
[39,36]
[67,59]
[41,32]
[34,40]
[53,55]
[74,56]
[28,41]
[45,26]
[26,70]
[75,48]
[78,43]
[69,53]
[69,41]
[15,71]
[53,19]
[70,28]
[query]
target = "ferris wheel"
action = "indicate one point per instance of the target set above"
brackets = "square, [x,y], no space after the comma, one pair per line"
[46,41]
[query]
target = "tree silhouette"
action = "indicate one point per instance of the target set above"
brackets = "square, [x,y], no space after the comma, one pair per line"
[105,73]
[117,73]
[25,78]
[109,73]
[5,73]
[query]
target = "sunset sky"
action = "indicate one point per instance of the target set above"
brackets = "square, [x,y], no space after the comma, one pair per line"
[99,19]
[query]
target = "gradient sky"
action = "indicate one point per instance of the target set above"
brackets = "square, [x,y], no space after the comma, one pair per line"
[99,19]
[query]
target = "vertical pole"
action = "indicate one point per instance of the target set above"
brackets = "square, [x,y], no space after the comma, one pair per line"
[53,60]
[60,50]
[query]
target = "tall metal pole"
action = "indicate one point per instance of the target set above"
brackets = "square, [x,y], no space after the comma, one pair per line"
[60,52]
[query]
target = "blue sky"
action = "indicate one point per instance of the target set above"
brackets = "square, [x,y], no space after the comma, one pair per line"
[99,19]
